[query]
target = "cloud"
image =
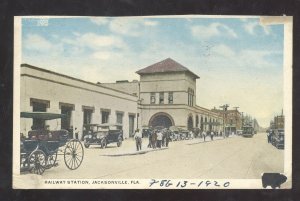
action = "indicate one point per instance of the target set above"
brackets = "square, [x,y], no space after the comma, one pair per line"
[106,55]
[223,50]
[150,23]
[37,42]
[99,21]
[213,30]
[125,27]
[96,41]
[253,28]
[130,27]
[249,27]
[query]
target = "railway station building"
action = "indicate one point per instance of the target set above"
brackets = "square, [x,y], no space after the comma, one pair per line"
[164,96]
[167,97]
[84,102]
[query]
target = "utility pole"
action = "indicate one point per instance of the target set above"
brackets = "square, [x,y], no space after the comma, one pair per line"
[236,119]
[224,107]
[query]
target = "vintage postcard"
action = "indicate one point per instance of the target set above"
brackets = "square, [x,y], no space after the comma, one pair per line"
[164,102]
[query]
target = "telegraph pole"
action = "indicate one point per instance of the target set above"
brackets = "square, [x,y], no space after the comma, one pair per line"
[236,119]
[224,107]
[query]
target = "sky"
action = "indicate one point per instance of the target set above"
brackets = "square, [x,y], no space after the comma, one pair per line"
[239,61]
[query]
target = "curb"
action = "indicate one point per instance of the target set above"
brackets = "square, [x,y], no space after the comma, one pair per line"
[135,153]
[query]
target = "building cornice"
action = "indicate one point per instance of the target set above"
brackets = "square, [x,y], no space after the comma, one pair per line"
[72,78]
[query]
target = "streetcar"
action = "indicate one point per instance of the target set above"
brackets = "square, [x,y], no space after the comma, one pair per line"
[248,131]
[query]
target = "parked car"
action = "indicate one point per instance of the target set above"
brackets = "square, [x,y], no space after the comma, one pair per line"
[175,136]
[102,134]
[146,131]
[196,132]
[278,138]
[239,132]
[184,134]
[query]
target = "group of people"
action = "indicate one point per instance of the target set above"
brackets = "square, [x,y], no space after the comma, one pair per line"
[157,139]
[208,133]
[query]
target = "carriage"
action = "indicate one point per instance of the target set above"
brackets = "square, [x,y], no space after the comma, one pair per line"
[39,150]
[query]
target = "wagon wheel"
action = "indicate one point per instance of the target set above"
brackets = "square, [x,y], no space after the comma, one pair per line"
[51,159]
[37,159]
[73,154]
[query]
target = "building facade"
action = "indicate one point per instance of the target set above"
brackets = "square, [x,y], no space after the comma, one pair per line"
[167,97]
[279,122]
[164,96]
[84,102]
[233,119]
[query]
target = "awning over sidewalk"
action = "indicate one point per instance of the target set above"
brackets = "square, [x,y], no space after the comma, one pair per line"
[42,115]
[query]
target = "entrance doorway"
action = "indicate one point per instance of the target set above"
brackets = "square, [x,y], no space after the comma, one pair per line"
[131,125]
[161,119]
[66,122]
[38,123]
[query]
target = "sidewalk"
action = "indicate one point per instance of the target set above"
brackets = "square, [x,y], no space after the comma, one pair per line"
[208,139]
[128,148]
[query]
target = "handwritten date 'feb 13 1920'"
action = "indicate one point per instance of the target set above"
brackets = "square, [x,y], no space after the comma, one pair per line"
[187,184]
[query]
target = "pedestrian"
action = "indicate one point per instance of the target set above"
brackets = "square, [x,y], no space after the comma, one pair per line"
[163,138]
[150,139]
[138,139]
[159,138]
[204,135]
[191,135]
[212,135]
[168,136]
[154,139]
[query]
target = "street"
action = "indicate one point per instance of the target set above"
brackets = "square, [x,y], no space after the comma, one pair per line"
[232,158]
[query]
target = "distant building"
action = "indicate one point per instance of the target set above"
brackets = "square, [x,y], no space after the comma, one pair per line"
[232,119]
[279,122]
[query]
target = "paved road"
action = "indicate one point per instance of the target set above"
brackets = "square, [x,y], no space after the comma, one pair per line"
[234,158]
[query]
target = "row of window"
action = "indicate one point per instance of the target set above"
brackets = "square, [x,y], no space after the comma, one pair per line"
[87,117]
[161,98]
[66,123]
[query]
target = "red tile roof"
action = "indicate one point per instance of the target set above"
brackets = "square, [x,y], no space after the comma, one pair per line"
[167,65]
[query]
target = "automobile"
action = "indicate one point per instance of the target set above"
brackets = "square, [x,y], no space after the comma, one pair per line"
[175,136]
[184,134]
[196,132]
[102,134]
[146,131]
[278,138]
[239,132]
